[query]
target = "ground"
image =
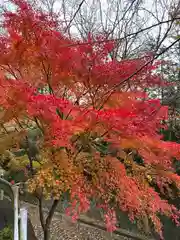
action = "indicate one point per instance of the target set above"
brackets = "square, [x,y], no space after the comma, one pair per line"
[63,229]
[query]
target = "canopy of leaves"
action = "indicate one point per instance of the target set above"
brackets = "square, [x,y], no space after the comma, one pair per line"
[93,116]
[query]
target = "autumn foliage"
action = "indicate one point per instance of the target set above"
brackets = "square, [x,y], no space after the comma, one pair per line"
[95,119]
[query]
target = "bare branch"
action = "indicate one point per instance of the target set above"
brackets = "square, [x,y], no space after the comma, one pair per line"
[136,72]
[79,7]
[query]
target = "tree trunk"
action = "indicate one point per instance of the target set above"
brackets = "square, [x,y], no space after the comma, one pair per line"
[46,233]
[46,224]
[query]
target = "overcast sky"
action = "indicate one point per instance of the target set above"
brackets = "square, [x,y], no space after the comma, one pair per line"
[146,14]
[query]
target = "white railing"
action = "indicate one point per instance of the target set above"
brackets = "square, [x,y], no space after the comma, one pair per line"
[19,214]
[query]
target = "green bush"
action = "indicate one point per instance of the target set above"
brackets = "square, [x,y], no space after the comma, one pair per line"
[6,233]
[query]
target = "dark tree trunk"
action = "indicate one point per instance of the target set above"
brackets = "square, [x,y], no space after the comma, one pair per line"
[46,233]
[30,231]
[46,223]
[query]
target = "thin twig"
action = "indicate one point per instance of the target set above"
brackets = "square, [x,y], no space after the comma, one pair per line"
[79,7]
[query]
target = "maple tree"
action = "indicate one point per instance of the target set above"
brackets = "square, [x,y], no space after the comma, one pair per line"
[94,118]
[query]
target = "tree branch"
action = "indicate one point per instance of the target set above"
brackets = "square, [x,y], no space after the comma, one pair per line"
[135,73]
[122,38]
[41,215]
[51,213]
[79,7]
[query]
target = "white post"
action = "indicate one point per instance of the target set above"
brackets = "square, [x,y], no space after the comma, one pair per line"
[1,194]
[16,212]
[23,216]
[1,191]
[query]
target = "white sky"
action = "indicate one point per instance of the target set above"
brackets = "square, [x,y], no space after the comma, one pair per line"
[145,15]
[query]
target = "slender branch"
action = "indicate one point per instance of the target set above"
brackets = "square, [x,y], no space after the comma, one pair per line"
[47,72]
[139,70]
[38,125]
[155,57]
[41,215]
[19,123]
[116,23]
[79,7]
[77,153]
[51,213]
[4,128]
[159,42]
[121,38]
[29,157]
